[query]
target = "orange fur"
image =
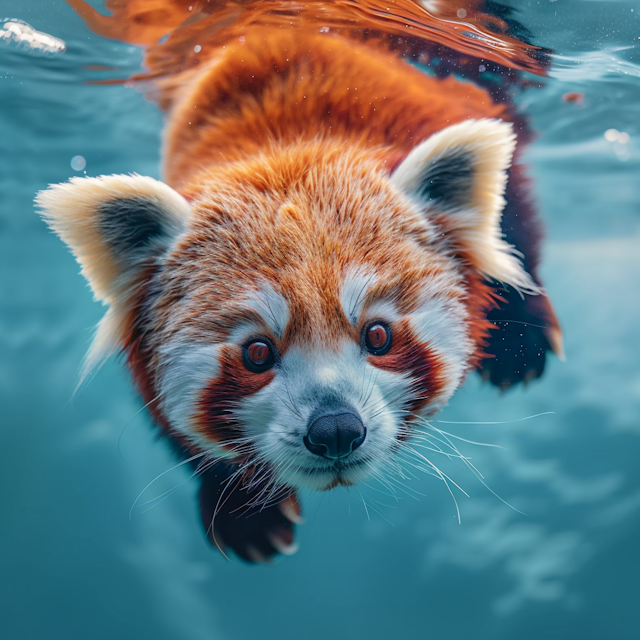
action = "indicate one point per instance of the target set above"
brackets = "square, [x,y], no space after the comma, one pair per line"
[313,166]
[283,88]
[265,112]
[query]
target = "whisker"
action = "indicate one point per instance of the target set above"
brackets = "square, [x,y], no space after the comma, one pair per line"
[465,459]
[440,451]
[375,506]
[163,496]
[444,478]
[373,386]
[536,415]
[364,502]
[132,418]
[293,407]
[455,502]
[528,324]
[199,455]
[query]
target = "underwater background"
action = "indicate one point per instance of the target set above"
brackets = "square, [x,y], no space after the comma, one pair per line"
[563,563]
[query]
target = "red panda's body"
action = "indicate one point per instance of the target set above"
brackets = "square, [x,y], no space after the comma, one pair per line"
[323,275]
[281,88]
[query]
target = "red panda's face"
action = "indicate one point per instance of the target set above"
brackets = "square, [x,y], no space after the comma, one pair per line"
[304,309]
[313,314]
[316,399]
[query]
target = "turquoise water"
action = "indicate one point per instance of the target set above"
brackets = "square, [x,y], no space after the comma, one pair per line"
[74,565]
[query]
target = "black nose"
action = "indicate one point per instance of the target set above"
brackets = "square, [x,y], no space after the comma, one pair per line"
[335,433]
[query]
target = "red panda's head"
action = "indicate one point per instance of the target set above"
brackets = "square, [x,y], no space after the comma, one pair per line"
[297,311]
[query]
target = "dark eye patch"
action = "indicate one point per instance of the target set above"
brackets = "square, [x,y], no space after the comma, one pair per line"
[411,357]
[216,418]
[127,224]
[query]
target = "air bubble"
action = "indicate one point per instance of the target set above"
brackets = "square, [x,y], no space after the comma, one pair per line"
[197,48]
[78,163]
[613,135]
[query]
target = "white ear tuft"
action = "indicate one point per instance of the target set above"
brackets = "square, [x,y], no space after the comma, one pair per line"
[461,172]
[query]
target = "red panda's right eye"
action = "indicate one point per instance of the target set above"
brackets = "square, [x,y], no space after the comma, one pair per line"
[377,338]
[258,355]
[258,352]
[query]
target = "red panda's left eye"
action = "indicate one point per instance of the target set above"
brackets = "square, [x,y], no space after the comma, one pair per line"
[258,355]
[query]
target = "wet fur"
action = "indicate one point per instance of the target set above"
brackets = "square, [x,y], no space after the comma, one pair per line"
[307,173]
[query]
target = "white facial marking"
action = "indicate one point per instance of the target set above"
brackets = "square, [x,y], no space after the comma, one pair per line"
[327,375]
[243,331]
[441,323]
[308,377]
[276,417]
[382,310]
[273,308]
[357,282]
[187,367]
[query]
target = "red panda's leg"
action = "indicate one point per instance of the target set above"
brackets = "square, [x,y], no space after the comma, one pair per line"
[524,332]
[526,328]
[231,522]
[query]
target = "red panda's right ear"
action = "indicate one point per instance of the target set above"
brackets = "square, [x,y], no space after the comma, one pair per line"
[114,225]
[460,174]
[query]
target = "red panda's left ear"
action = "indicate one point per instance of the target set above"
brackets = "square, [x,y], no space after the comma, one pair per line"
[116,227]
[460,174]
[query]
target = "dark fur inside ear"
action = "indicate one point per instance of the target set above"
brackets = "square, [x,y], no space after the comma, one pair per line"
[448,180]
[129,224]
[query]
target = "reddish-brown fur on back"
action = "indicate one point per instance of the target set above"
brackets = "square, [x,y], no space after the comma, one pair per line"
[244,79]
[271,118]
[284,87]
[270,105]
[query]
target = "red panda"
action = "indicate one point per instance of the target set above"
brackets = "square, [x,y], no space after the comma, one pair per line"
[319,270]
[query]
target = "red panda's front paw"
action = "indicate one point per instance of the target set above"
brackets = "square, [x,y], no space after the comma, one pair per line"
[233,523]
[526,329]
